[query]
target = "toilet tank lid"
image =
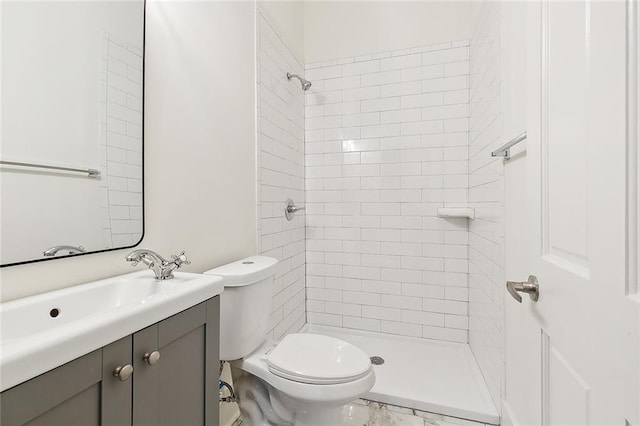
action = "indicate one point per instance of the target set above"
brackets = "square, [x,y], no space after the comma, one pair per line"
[246,271]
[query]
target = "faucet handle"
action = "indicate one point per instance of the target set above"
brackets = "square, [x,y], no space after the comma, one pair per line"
[180,259]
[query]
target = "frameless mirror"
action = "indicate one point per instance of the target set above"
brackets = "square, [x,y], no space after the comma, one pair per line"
[71,170]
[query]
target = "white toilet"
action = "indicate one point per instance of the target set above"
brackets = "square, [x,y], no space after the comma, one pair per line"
[304,379]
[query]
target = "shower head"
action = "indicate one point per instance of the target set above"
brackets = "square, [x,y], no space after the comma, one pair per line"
[305,83]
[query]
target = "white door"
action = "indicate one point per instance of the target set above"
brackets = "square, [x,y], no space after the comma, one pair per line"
[572,357]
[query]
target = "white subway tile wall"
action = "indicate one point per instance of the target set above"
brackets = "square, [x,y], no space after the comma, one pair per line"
[386,144]
[280,166]
[121,141]
[486,189]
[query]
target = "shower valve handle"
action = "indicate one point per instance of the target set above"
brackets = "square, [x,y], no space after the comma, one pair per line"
[291,209]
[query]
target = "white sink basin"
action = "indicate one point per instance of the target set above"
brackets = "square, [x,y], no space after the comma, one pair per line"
[42,332]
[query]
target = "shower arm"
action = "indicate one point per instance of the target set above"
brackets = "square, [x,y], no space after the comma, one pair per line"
[306,84]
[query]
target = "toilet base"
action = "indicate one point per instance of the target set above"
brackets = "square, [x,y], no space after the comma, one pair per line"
[254,403]
[262,405]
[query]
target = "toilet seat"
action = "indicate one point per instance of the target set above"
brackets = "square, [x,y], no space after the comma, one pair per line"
[316,359]
[256,364]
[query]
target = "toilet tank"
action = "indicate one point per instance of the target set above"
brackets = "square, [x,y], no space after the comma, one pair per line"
[245,305]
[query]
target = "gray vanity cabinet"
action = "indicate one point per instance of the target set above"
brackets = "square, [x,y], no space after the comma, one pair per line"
[83,392]
[181,388]
[178,389]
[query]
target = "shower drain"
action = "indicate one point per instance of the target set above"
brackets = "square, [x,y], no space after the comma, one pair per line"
[377,360]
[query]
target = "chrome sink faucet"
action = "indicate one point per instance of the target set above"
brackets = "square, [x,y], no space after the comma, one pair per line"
[162,268]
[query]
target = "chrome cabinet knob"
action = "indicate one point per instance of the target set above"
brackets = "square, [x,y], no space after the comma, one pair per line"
[151,358]
[530,286]
[123,372]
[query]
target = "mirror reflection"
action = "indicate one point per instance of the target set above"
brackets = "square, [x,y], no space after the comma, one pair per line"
[71,170]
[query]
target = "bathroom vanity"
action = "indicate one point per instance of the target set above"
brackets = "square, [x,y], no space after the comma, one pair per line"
[179,388]
[162,373]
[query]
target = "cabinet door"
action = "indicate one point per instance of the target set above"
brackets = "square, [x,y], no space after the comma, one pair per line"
[182,387]
[116,394]
[83,392]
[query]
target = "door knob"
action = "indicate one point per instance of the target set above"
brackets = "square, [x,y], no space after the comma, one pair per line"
[123,372]
[151,358]
[530,286]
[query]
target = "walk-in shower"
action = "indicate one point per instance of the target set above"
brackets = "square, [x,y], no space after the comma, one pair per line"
[305,83]
[373,152]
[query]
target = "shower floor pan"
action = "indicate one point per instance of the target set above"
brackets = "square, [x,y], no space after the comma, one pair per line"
[428,375]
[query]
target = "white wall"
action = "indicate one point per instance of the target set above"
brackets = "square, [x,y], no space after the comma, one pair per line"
[486,196]
[280,154]
[386,145]
[287,20]
[516,214]
[342,29]
[199,146]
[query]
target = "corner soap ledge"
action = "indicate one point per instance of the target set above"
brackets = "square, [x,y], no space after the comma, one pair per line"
[457,212]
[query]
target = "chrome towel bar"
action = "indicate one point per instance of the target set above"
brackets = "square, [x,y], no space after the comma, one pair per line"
[505,150]
[92,173]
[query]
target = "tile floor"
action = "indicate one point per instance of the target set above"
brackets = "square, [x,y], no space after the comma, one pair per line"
[370,413]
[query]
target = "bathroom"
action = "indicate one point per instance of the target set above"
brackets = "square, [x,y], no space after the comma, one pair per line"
[410,226]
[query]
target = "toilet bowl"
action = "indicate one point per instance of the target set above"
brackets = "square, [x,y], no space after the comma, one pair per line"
[302,380]
[308,377]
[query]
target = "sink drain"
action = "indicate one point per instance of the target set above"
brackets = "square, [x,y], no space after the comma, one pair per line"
[377,360]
